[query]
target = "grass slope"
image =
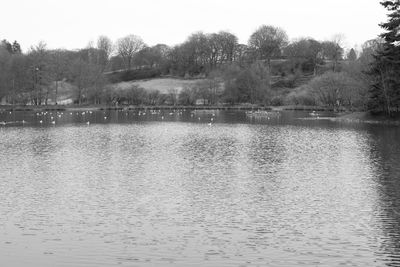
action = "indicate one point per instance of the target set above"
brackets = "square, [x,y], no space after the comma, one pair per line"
[161,84]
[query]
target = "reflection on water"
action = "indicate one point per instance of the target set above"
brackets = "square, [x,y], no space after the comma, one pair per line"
[174,191]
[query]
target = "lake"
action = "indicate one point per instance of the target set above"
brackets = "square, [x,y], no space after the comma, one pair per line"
[206,188]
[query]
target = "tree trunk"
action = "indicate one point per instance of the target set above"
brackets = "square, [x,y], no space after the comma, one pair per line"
[385,94]
[55,98]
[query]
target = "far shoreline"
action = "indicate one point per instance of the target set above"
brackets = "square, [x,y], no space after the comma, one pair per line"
[341,116]
[157,107]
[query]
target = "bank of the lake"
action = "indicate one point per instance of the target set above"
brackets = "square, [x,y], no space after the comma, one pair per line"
[157,107]
[341,116]
[368,117]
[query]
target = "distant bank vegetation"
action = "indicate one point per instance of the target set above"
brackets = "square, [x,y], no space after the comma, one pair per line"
[209,68]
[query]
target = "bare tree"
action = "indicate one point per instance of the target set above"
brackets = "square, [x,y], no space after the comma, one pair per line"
[333,50]
[105,49]
[173,95]
[38,58]
[127,47]
[305,52]
[59,60]
[267,42]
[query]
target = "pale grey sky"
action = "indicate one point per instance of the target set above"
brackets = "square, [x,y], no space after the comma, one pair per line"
[73,23]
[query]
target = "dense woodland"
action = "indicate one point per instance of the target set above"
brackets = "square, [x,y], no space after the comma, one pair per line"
[268,70]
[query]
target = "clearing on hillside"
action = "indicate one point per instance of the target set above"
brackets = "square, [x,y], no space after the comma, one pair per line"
[162,84]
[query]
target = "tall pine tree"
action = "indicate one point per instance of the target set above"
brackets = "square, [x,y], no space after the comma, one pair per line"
[385,92]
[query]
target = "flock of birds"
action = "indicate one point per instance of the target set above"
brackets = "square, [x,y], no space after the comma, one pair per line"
[263,114]
[89,116]
[314,114]
[15,118]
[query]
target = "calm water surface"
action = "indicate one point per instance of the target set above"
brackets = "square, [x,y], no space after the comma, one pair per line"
[169,189]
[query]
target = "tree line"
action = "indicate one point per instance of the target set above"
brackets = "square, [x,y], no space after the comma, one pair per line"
[370,80]
[267,70]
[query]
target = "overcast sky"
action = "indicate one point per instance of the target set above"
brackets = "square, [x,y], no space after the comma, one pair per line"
[72,24]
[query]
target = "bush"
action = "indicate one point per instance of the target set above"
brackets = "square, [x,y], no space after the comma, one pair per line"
[300,96]
[277,101]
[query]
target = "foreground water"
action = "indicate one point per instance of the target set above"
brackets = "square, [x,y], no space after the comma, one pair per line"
[203,189]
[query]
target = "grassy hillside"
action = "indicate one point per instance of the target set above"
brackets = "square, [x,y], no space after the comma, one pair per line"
[163,85]
[66,93]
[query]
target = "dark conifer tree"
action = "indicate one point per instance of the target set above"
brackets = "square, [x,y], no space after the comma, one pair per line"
[16,48]
[352,56]
[385,92]
[6,44]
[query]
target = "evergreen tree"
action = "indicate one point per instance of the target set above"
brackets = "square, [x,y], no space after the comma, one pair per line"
[385,92]
[352,56]
[6,44]
[16,48]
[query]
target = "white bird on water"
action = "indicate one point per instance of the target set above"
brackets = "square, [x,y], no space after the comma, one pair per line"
[88,122]
[40,121]
[53,122]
